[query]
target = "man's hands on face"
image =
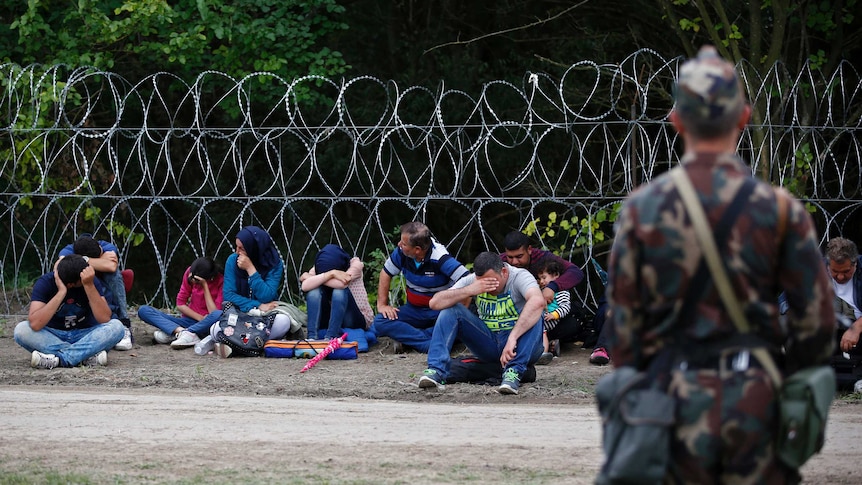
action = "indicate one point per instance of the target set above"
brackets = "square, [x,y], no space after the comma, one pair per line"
[483,285]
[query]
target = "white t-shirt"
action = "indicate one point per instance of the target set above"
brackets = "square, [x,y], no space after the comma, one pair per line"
[845,292]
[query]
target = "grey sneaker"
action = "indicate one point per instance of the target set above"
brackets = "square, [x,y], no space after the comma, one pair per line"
[163,338]
[511,382]
[431,378]
[185,340]
[43,361]
[126,342]
[222,350]
[99,359]
[545,359]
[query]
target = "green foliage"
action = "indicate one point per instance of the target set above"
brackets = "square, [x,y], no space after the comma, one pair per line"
[797,183]
[185,36]
[35,145]
[563,234]
[374,265]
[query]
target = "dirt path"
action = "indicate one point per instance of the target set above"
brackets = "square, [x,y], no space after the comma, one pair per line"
[141,436]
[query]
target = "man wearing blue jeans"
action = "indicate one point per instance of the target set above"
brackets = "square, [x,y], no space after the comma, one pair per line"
[69,322]
[427,268]
[507,329]
[103,257]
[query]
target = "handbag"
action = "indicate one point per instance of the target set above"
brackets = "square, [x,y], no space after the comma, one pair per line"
[245,334]
[805,396]
[637,419]
[309,348]
[803,408]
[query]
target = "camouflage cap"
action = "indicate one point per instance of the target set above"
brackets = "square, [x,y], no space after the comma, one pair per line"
[708,89]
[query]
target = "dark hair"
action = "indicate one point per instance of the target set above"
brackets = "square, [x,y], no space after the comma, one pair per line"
[204,267]
[516,240]
[85,245]
[417,233]
[550,266]
[840,250]
[487,261]
[69,268]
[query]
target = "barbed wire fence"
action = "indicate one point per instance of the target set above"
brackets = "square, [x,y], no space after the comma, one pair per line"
[153,167]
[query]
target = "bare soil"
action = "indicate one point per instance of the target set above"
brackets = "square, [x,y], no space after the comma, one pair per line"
[175,417]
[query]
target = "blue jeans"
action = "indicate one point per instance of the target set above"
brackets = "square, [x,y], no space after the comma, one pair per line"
[164,322]
[202,327]
[459,322]
[413,327]
[117,288]
[71,346]
[337,306]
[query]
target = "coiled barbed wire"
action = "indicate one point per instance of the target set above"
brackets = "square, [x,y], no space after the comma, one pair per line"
[157,158]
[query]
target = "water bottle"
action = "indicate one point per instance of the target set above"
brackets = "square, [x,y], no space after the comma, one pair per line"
[205,346]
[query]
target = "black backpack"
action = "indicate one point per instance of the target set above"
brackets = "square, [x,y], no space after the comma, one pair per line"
[472,370]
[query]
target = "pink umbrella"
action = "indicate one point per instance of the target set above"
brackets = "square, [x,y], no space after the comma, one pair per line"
[333,344]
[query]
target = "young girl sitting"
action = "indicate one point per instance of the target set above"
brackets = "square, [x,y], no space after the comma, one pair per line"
[556,310]
[200,293]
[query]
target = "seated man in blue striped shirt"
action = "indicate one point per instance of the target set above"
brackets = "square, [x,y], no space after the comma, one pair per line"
[427,268]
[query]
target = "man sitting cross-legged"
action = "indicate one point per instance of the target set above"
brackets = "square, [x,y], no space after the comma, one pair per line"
[69,322]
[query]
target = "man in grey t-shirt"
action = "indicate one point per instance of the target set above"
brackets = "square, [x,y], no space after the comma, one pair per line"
[508,328]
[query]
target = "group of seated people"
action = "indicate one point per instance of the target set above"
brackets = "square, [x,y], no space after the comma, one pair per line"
[513,309]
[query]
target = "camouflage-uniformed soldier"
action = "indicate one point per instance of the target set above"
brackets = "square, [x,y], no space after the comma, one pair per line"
[726,413]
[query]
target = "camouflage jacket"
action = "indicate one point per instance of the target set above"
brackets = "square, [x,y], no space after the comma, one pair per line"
[655,254]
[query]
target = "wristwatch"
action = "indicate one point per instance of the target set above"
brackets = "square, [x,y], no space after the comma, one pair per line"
[87,259]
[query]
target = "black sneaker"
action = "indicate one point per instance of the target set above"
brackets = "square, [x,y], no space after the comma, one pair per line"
[431,378]
[511,382]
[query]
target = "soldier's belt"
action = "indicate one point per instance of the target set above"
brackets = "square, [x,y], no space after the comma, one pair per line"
[732,359]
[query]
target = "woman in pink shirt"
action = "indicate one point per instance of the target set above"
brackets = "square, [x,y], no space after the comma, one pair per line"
[200,294]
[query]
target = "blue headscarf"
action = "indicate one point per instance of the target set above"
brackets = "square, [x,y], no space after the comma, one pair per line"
[331,257]
[260,250]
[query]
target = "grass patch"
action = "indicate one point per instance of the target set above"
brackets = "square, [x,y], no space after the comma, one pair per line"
[45,477]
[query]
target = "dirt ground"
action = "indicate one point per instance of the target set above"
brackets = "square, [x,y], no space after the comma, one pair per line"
[360,421]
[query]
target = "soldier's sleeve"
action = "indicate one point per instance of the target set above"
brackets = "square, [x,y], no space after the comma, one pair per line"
[626,315]
[803,277]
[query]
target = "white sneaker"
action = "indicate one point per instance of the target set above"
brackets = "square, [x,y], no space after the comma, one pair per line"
[185,340]
[126,342]
[163,338]
[857,387]
[43,361]
[99,359]
[205,346]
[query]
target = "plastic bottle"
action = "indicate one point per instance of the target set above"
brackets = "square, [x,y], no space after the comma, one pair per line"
[205,346]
